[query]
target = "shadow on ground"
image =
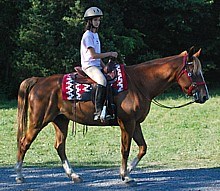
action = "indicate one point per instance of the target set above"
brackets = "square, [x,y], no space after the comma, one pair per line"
[38,178]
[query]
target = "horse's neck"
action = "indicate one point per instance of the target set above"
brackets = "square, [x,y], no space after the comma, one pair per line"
[153,78]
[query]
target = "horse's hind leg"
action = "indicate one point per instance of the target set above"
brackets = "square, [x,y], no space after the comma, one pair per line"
[23,145]
[139,139]
[61,127]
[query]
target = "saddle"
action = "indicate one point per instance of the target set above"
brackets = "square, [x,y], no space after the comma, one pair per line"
[109,71]
[77,86]
[109,109]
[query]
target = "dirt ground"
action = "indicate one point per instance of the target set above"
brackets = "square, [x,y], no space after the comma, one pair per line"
[95,179]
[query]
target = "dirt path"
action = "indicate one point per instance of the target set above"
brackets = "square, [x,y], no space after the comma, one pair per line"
[108,179]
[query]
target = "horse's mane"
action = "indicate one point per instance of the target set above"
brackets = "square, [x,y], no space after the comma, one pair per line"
[158,61]
[196,62]
[165,59]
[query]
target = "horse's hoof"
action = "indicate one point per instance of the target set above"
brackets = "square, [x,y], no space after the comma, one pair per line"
[128,180]
[76,179]
[19,180]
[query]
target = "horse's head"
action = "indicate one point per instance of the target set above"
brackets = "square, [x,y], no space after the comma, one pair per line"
[191,79]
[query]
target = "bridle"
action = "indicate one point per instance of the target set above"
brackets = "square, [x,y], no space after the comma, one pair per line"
[191,88]
[189,75]
[190,92]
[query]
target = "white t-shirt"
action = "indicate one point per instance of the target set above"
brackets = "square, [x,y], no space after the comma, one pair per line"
[89,39]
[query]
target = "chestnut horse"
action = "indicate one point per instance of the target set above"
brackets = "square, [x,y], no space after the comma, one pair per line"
[41,98]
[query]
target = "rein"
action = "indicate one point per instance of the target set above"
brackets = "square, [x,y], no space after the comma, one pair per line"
[183,71]
[154,101]
[171,107]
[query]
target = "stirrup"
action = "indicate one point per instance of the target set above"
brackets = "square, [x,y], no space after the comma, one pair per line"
[110,117]
[96,116]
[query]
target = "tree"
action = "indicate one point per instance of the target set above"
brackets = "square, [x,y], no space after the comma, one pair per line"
[8,25]
[41,38]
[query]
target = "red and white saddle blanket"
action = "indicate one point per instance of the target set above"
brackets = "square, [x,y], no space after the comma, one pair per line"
[72,90]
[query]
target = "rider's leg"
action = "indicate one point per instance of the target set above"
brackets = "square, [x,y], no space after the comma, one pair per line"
[100,95]
[95,74]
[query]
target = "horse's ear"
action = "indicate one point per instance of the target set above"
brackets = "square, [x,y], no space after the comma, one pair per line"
[191,52]
[183,53]
[197,53]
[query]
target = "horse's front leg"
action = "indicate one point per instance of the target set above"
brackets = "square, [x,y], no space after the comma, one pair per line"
[127,130]
[61,127]
[18,169]
[139,139]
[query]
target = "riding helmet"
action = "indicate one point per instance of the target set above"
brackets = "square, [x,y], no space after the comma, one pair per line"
[93,12]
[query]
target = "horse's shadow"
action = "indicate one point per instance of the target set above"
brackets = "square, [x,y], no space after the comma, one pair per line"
[38,178]
[185,179]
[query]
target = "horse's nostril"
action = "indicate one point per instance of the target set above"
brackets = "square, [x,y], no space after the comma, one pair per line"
[203,100]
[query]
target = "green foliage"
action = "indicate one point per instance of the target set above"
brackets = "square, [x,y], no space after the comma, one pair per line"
[8,25]
[41,38]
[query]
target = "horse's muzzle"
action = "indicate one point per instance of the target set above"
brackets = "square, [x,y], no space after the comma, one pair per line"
[200,99]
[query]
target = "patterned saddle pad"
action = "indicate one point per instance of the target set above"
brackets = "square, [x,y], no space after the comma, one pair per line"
[73,90]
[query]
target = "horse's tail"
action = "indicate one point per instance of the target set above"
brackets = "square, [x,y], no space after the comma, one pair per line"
[22,117]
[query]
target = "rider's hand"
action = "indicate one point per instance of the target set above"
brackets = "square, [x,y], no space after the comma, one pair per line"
[114,54]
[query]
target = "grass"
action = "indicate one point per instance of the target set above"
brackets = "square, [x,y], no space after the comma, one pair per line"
[180,138]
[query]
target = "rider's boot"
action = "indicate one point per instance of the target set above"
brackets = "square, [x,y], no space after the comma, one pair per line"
[100,95]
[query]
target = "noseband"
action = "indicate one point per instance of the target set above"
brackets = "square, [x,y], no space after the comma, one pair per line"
[184,71]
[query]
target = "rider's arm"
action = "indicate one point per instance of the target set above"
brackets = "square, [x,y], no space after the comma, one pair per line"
[95,55]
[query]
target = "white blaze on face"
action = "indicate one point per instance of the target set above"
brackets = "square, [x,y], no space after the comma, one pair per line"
[206,88]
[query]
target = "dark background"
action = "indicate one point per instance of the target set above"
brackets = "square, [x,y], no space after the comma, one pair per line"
[41,38]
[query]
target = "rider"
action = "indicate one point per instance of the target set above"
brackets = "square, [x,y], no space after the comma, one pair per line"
[91,56]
